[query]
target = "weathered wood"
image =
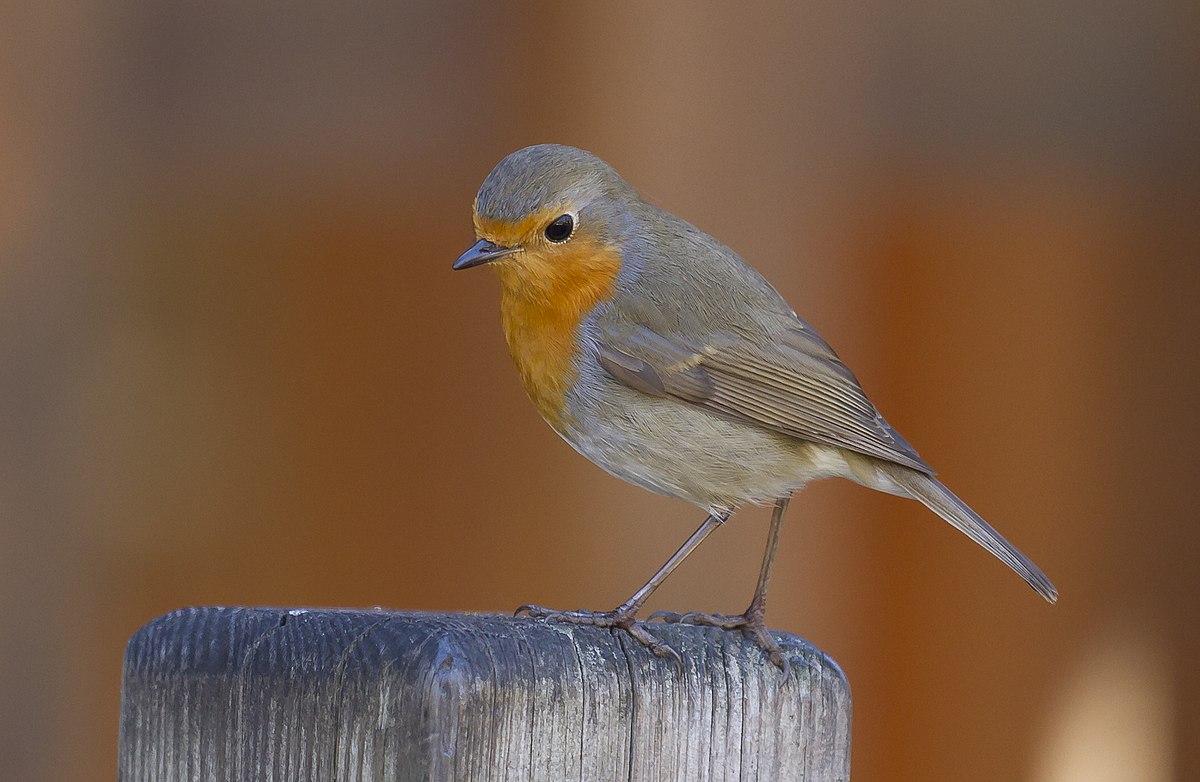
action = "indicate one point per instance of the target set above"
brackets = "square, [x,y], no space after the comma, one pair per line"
[277,694]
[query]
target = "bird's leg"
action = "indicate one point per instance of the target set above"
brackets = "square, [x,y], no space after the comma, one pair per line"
[751,622]
[623,615]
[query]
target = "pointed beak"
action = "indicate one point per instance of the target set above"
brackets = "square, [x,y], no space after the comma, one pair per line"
[482,252]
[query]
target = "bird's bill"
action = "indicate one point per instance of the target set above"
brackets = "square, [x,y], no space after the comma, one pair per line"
[482,252]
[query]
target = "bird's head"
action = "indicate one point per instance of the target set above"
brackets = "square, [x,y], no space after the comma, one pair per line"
[548,217]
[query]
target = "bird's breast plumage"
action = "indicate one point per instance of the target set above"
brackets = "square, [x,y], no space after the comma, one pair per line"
[543,302]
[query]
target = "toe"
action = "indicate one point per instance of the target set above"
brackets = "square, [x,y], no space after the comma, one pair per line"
[660,649]
[781,660]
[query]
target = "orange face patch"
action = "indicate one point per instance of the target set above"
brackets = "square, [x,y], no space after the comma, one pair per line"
[546,290]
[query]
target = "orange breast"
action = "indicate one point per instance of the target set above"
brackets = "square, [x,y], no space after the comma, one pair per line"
[543,300]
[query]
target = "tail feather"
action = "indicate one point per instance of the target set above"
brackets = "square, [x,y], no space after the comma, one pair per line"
[942,501]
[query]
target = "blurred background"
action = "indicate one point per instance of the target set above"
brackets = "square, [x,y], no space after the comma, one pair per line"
[235,367]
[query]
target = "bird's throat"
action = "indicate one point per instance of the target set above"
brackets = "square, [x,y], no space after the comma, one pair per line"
[543,301]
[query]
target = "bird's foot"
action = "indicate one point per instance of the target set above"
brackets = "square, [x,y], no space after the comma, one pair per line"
[750,623]
[620,618]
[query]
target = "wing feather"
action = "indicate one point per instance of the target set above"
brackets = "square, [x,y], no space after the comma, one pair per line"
[795,385]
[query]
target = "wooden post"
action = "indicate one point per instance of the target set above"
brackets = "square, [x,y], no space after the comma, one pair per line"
[305,694]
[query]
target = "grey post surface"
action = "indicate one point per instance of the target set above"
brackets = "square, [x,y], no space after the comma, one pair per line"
[277,694]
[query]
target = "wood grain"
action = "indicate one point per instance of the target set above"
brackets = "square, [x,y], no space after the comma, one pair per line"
[278,694]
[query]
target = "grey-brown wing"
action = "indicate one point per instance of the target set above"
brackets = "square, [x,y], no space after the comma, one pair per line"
[795,385]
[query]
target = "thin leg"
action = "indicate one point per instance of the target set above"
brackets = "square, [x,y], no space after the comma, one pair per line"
[623,615]
[752,621]
[764,575]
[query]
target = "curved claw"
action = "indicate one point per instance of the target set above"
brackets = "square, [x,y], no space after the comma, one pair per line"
[784,664]
[762,637]
[659,648]
[540,612]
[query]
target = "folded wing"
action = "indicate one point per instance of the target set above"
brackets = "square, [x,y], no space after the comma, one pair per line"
[794,384]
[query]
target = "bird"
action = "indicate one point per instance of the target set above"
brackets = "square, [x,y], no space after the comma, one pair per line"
[659,354]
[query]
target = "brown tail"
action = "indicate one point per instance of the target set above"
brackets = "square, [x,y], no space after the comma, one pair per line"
[942,501]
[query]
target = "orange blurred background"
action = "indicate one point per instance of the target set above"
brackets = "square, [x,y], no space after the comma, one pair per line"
[235,367]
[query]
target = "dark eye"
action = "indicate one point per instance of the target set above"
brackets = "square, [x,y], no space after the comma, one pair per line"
[561,229]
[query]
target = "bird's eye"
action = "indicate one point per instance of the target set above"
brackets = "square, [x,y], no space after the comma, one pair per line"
[561,229]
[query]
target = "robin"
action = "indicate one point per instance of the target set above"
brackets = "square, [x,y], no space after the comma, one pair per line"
[659,354]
